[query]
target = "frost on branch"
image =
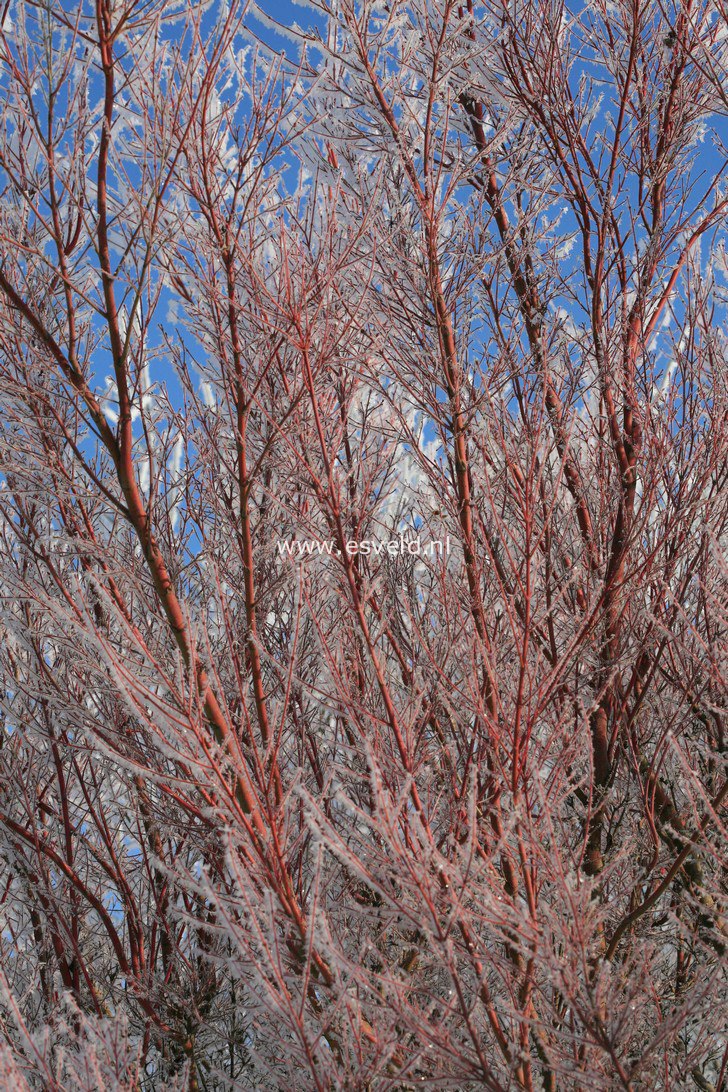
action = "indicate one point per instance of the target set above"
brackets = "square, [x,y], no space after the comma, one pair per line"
[282,807]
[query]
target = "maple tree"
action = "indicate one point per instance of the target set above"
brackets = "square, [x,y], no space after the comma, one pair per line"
[281,812]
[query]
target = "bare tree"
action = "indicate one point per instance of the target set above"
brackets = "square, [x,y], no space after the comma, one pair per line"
[363,508]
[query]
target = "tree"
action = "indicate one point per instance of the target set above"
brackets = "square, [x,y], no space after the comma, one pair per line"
[364,659]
